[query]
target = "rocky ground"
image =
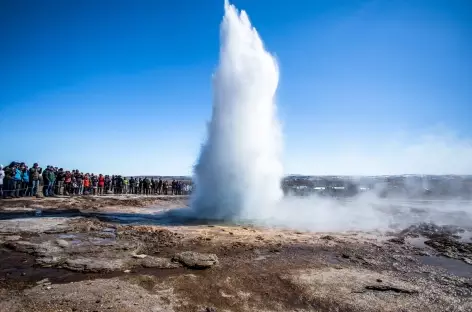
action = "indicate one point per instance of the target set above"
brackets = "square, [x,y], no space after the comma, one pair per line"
[95,259]
[122,203]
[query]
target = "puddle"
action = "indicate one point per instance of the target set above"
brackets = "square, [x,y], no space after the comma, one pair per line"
[40,213]
[67,236]
[417,242]
[452,266]
[172,217]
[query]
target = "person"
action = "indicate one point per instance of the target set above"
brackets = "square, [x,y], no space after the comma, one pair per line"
[45,181]
[140,186]
[165,187]
[153,186]
[107,184]
[52,181]
[125,185]
[118,184]
[25,181]
[8,181]
[17,181]
[159,187]
[34,175]
[132,185]
[179,187]
[79,179]
[94,180]
[60,181]
[101,184]
[86,185]
[2,176]
[145,186]
[75,186]
[113,184]
[68,183]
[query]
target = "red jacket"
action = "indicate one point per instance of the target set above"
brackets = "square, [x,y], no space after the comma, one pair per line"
[101,181]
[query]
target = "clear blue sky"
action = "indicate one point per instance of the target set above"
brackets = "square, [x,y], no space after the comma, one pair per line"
[126,87]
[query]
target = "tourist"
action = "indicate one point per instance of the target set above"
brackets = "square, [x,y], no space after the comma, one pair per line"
[68,183]
[101,184]
[86,185]
[165,187]
[132,185]
[60,177]
[18,180]
[25,181]
[159,187]
[52,180]
[107,184]
[79,178]
[2,176]
[34,175]
[94,181]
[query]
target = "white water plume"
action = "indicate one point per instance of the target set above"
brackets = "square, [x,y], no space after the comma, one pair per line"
[239,170]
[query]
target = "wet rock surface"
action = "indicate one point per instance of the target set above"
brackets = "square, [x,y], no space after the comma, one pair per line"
[87,264]
[195,260]
[447,241]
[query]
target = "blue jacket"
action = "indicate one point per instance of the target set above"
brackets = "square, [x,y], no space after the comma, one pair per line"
[25,176]
[17,176]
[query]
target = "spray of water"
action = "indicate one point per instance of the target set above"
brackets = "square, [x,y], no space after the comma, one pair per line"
[239,170]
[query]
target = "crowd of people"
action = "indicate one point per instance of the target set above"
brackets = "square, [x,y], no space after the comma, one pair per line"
[17,180]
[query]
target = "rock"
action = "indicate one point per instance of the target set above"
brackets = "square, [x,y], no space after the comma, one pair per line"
[62,243]
[467,260]
[93,264]
[195,260]
[390,288]
[127,271]
[160,263]
[42,249]
[49,261]
[43,281]
[11,238]
[424,253]
[327,237]
[397,240]
[139,256]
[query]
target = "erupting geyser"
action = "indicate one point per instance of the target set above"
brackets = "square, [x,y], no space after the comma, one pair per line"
[239,171]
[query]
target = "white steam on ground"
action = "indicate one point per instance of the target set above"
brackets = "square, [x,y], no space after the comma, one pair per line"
[239,171]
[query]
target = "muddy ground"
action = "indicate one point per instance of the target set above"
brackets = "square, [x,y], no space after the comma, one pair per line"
[118,254]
